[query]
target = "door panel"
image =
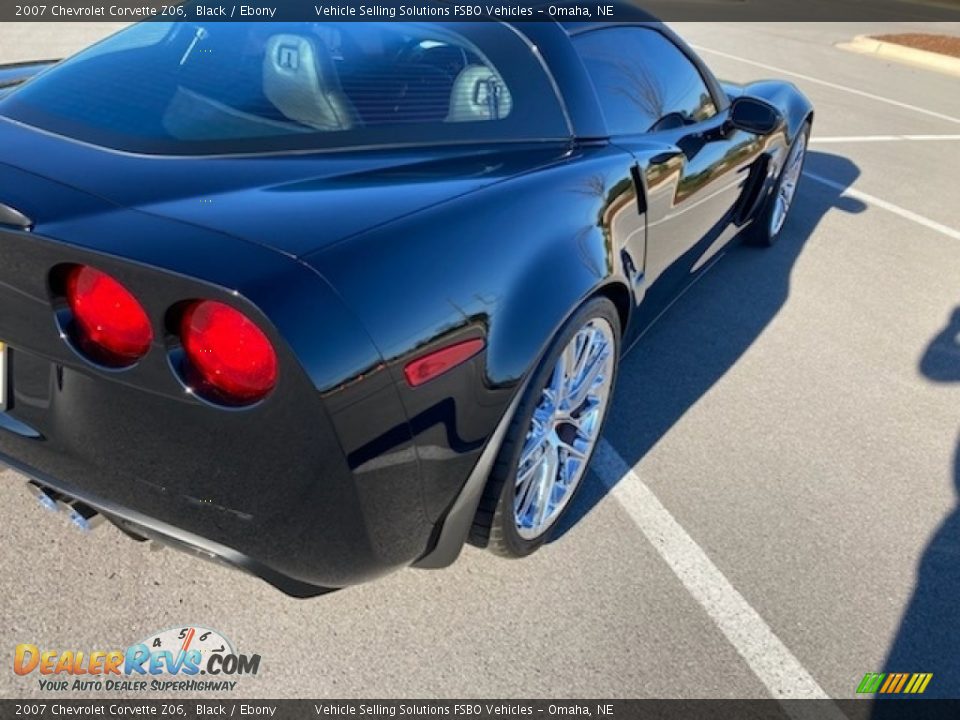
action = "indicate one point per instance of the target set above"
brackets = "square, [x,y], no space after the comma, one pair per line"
[693,168]
[692,195]
[692,198]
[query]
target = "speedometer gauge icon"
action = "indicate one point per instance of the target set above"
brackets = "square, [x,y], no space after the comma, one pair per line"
[181,640]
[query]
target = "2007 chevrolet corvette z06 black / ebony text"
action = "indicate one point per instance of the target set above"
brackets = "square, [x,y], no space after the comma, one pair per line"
[323,300]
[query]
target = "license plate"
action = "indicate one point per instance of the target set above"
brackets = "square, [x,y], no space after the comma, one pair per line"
[3,377]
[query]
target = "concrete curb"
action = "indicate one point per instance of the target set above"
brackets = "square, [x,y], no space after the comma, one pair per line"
[900,53]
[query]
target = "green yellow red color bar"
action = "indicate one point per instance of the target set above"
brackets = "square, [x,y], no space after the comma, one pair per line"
[892,683]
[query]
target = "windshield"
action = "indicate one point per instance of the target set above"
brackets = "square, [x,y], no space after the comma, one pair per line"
[189,88]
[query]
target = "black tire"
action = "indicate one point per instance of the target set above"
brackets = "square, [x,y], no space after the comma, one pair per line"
[494,525]
[759,232]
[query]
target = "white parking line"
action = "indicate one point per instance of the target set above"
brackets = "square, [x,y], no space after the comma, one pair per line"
[883,138]
[883,204]
[766,655]
[827,83]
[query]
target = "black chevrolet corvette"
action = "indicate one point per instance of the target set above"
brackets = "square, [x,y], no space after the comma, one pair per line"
[323,300]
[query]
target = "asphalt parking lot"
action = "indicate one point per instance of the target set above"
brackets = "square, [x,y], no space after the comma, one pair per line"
[774,511]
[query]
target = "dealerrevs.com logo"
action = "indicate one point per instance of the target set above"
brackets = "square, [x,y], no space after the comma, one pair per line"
[184,659]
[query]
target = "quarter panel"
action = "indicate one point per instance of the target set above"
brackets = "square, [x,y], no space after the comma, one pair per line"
[507,264]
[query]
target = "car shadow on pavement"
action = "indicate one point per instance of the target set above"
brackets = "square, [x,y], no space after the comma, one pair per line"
[928,639]
[708,329]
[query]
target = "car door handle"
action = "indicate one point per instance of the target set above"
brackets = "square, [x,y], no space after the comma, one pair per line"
[11,217]
[666,155]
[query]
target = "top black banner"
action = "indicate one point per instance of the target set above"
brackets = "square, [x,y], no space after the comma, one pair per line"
[462,10]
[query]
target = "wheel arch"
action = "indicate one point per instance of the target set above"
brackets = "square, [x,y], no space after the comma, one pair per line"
[618,292]
[535,310]
[618,295]
[460,525]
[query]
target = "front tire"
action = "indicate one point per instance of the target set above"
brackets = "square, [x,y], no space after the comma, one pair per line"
[553,435]
[772,217]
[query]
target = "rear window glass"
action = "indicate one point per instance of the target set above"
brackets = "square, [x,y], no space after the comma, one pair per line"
[193,88]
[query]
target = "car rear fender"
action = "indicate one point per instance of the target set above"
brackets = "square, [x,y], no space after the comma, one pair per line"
[507,264]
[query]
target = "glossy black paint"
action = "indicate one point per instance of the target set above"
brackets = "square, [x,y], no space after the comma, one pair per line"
[353,264]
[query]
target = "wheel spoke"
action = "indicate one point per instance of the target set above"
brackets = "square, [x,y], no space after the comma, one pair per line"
[787,188]
[525,496]
[543,498]
[569,362]
[572,451]
[586,420]
[589,377]
[779,213]
[798,157]
[570,473]
[530,449]
[585,342]
[558,384]
[526,480]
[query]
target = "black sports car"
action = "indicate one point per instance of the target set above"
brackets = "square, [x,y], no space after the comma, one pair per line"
[322,300]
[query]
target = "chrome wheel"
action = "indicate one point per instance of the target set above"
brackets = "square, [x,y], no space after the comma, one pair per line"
[564,428]
[787,186]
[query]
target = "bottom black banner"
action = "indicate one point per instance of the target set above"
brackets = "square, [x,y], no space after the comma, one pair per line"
[489,709]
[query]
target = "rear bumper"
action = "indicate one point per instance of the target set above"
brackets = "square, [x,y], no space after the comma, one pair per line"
[295,515]
[135,523]
[287,511]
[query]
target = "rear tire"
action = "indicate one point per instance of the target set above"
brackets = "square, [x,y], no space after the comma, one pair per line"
[772,217]
[553,434]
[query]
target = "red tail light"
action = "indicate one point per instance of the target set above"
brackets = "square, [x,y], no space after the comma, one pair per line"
[438,362]
[232,360]
[111,325]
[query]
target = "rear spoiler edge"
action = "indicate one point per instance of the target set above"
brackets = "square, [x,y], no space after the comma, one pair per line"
[15,73]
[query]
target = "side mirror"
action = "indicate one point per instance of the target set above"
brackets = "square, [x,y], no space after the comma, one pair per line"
[754,115]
